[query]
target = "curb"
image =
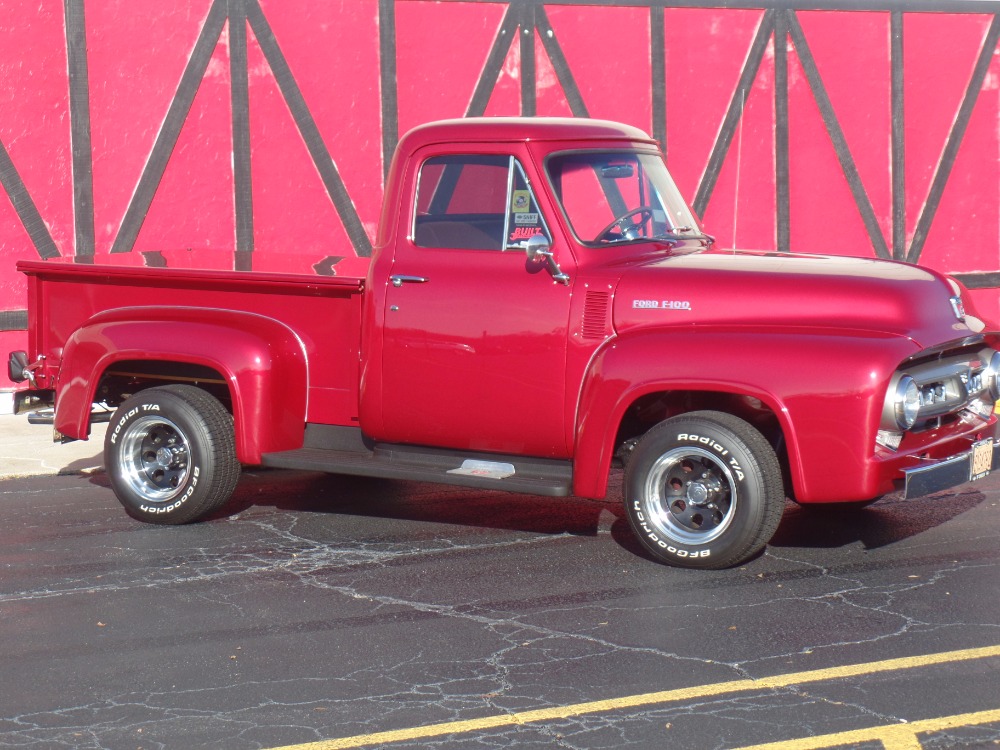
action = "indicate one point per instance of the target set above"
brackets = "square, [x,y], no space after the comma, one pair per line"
[27,450]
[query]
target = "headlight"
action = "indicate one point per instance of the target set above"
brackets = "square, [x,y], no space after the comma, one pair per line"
[906,402]
[991,376]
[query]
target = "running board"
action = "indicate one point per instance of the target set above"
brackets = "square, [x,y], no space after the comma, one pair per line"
[48,416]
[344,450]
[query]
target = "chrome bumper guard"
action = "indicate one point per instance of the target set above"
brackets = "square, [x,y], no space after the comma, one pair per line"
[969,466]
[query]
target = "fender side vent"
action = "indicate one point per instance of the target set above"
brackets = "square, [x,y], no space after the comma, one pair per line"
[595,315]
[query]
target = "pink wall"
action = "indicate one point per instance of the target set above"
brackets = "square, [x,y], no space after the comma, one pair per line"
[255,133]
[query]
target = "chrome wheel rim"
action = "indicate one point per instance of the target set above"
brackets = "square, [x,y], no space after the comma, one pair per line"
[155,458]
[690,496]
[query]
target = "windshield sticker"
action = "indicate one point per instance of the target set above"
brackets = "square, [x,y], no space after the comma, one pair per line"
[521,200]
[524,233]
[531,219]
[655,304]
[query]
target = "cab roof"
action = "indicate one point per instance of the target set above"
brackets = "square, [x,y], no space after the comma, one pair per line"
[520,129]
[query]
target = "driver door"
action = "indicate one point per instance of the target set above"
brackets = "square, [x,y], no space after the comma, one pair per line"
[475,336]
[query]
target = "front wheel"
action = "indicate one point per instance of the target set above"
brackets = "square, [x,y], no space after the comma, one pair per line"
[703,490]
[170,454]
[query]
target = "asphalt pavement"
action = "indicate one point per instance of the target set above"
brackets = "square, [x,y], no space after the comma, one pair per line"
[28,450]
[318,612]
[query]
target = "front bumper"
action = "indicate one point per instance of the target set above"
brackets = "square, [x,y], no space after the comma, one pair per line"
[942,474]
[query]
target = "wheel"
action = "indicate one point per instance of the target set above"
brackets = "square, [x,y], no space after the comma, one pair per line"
[703,490]
[627,230]
[170,454]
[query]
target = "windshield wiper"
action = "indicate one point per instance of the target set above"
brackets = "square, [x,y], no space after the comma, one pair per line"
[677,237]
[671,237]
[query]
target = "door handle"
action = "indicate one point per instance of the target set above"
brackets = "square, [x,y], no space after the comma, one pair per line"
[400,279]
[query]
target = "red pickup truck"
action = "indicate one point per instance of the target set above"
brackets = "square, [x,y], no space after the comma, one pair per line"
[540,306]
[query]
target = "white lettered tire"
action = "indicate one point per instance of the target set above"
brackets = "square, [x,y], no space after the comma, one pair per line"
[170,454]
[703,490]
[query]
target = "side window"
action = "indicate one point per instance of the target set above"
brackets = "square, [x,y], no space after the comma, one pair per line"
[476,202]
[524,220]
[461,202]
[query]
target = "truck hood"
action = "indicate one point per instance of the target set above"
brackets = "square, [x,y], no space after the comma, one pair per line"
[784,290]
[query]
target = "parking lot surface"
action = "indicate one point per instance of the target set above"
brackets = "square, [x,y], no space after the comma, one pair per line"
[321,611]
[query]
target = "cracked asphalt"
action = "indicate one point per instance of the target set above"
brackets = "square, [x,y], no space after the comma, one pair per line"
[317,609]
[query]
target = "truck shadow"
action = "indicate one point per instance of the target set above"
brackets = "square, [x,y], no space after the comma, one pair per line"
[309,492]
[886,522]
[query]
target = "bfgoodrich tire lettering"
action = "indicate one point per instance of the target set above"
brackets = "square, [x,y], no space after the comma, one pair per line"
[170,454]
[703,490]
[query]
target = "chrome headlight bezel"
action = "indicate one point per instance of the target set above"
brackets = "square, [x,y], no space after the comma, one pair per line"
[992,378]
[906,402]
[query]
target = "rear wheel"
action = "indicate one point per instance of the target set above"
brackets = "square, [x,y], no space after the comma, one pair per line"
[703,490]
[170,454]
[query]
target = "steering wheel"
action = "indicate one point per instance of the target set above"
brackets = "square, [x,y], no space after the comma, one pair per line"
[626,230]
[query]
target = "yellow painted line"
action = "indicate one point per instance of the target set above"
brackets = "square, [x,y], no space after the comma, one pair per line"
[650,699]
[892,737]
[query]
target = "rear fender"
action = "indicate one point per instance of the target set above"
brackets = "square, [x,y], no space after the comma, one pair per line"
[826,388]
[263,362]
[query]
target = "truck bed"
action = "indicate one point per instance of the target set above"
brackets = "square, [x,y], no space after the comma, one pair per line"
[324,312]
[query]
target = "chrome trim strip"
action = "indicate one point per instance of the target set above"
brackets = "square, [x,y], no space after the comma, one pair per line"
[510,195]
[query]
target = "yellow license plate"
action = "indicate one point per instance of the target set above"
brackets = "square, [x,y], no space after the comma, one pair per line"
[982,459]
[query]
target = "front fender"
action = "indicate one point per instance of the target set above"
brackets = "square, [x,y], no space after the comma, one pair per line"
[826,387]
[262,361]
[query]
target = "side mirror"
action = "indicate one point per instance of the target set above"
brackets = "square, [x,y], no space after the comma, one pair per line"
[539,246]
[17,367]
[540,251]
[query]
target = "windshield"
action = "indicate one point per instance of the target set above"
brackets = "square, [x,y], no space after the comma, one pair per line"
[619,196]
